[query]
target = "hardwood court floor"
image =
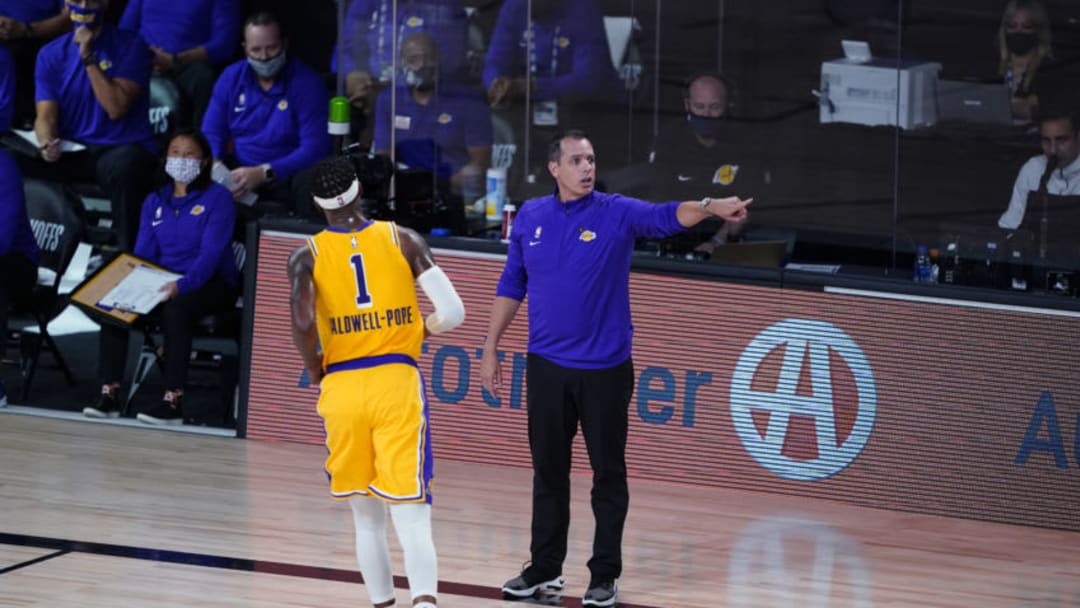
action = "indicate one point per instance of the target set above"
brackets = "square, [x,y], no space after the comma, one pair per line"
[98,515]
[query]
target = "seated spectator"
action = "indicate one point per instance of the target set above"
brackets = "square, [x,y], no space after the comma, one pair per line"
[92,89]
[18,249]
[1024,45]
[437,125]
[267,119]
[1058,130]
[699,154]
[186,227]
[567,63]
[190,40]
[24,26]
[369,47]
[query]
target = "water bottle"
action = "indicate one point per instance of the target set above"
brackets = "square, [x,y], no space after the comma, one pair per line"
[1018,271]
[935,264]
[990,268]
[950,265]
[338,120]
[496,194]
[509,213]
[921,272]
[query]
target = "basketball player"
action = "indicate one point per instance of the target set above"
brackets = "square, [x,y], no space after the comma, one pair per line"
[353,293]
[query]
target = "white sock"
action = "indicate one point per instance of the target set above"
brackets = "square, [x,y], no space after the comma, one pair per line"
[412,522]
[372,551]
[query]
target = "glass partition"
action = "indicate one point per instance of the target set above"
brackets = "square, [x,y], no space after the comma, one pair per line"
[975,186]
[862,129]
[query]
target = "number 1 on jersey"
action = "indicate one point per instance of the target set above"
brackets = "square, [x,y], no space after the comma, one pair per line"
[363,298]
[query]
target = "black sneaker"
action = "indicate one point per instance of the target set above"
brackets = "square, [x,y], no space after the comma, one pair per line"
[529,582]
[602,593]
[166,413]
[106,406]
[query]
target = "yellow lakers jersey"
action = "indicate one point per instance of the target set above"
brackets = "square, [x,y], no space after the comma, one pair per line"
[365,295]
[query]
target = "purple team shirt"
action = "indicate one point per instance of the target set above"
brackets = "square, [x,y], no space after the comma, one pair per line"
[572,260]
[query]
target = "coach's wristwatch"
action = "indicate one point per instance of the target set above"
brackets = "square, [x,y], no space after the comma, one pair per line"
[705,203]
[268,172]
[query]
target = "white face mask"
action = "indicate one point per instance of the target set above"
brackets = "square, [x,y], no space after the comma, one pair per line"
[183,170]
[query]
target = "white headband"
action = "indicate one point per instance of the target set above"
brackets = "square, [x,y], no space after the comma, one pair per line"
[340,200]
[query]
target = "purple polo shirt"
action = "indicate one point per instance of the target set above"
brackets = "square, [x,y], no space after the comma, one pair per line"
[61,77]
[572,260]
[369,34]
[30,10]
[284,126]
[570,50]
[179,26]
[434,136]
[15,233]
[7,88]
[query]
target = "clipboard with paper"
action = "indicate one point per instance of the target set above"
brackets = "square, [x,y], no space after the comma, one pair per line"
[123,290]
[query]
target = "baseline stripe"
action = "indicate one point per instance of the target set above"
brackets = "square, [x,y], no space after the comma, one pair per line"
[247,565]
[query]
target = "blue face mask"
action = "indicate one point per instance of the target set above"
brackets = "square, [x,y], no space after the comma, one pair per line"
[706,126]
[83,16]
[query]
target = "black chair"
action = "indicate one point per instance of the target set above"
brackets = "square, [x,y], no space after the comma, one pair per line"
[216,344]
[58,229]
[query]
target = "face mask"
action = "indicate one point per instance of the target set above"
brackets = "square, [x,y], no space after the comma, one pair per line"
[1020,43]
[83,16]
[422,78]
[706,126]
[270,67]
[183,170]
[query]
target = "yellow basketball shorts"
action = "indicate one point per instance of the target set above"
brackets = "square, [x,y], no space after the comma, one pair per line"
[377,433]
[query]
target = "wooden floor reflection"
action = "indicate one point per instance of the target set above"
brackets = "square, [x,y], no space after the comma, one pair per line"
[99,515]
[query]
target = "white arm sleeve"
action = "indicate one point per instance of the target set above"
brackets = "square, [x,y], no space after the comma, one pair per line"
[449,309]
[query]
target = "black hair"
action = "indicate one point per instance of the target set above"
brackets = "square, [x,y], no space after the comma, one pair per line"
[555,145]
[333,177]
[1052,111]
[203,181]
[263,18]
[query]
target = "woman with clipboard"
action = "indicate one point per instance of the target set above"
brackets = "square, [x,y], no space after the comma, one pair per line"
[185,226]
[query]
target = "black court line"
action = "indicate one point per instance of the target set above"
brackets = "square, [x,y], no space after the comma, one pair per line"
[62,547]
[36,560]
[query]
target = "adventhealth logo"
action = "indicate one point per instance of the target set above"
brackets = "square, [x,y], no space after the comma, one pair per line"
[1045,417]
[763,412]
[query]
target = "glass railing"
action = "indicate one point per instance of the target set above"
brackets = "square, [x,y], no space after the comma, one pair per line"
[863,130]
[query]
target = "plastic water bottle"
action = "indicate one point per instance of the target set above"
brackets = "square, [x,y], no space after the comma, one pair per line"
[935,265]
[496,194]
[922,269]
[1018,271]
[950,265]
